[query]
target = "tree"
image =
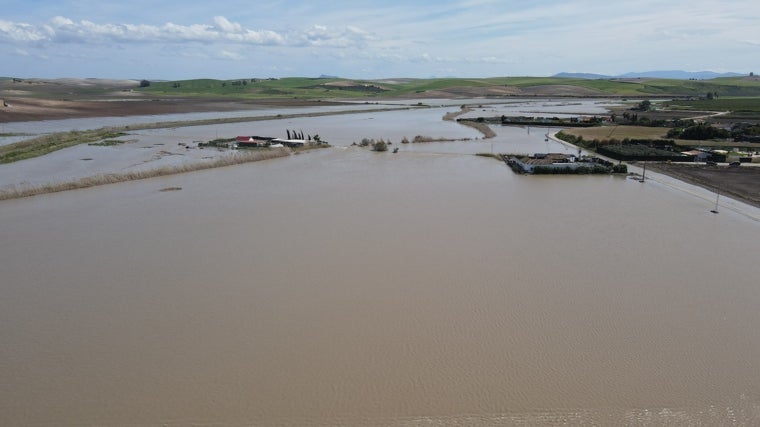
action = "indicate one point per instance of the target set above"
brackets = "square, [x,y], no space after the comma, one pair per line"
[645,105]
[380,146]
[144,83]
[700,131]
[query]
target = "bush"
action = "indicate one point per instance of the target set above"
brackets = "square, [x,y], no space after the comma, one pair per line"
[699,132]
[380,146]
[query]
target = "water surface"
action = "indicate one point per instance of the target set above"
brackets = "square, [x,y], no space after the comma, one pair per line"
[346,287]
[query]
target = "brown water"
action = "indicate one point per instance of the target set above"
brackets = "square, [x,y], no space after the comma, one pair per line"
[345,287]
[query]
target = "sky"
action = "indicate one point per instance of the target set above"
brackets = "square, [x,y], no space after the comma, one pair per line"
[228,39]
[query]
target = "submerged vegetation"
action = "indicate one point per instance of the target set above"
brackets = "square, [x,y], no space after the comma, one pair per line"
[111,142]
[380,146]
[111,178]
[45,144]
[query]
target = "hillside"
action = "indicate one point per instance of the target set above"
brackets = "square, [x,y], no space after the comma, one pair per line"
[457,87]
[333,87]
[661,74]
[39,99]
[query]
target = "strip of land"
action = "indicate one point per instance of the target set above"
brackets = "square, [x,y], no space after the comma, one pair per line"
[112,178]
[741,183]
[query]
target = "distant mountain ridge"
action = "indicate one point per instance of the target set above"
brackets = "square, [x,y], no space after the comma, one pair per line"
[662,74]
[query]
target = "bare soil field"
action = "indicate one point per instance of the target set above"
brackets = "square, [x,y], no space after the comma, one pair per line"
[742,183]
[33,99]
[33,109]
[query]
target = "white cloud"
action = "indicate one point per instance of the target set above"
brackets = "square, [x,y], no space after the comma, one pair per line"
[227,26]
[64,30]
[226,54]
[20,32]
[404,38]
[323,36]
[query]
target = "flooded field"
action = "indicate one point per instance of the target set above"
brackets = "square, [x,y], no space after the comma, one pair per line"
[347,287]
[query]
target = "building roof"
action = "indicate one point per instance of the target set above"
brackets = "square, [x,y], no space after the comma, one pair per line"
[693,152]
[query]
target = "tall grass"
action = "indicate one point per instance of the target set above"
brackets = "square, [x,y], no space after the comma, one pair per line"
[112,178]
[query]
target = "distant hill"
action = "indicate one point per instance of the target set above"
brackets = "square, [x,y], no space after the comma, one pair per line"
[589,76]
[661,74]
[582,85]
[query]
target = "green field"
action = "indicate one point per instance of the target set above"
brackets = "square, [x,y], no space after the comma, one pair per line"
[310,88]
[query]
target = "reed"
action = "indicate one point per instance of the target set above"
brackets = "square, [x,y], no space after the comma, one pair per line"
[112,178]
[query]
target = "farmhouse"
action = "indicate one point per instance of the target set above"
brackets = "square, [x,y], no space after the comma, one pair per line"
[289,142]
[558,163]
[698,155]
[253,141]
[550,160]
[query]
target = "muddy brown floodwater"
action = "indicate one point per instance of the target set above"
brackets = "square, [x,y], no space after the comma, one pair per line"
[346,287]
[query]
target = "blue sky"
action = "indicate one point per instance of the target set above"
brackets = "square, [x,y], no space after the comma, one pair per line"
[227,39]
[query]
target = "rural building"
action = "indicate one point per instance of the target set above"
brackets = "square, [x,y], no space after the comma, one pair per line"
[253,141]
[552,160]
[698,155]
[290,142]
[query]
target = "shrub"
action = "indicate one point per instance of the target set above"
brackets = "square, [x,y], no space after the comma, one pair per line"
[380,146]
[699,131]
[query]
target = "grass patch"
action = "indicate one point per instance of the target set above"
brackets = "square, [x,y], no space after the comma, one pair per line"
[735,105]
[45,144]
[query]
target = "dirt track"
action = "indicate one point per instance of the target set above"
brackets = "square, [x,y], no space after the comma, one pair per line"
[742,183]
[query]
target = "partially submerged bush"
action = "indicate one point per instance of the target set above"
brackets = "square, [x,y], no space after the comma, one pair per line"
[380,146]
